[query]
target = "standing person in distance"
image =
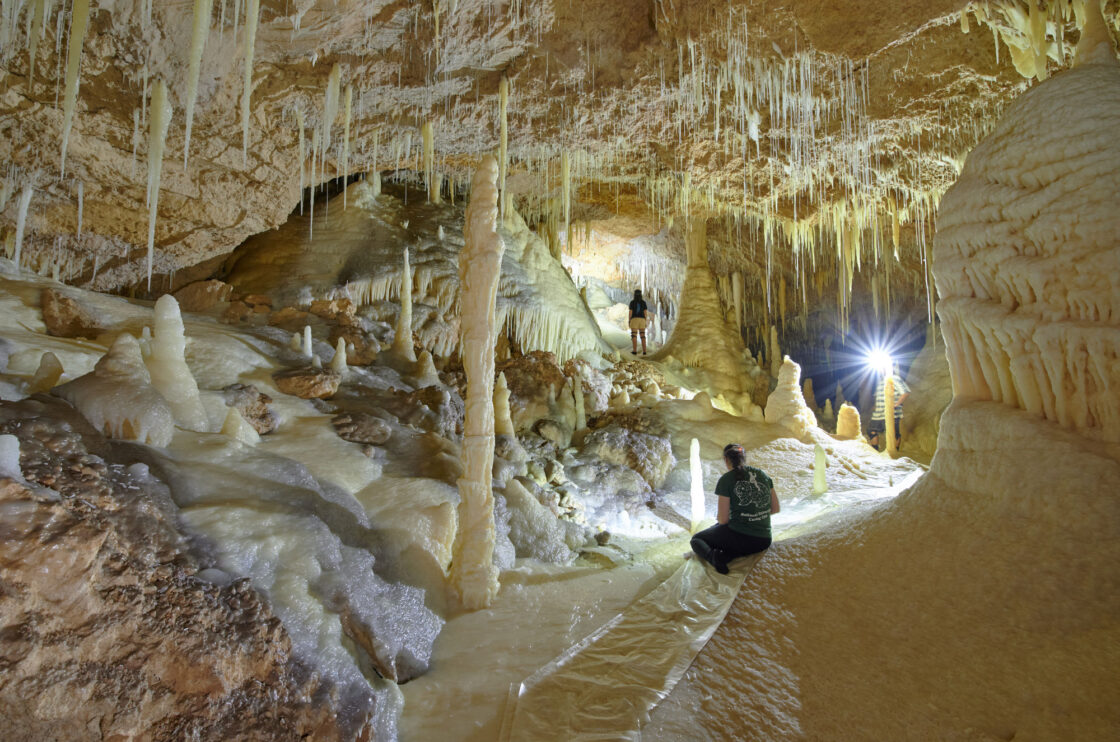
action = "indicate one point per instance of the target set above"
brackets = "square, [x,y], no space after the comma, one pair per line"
[639,319]
[746,501]
[877,428]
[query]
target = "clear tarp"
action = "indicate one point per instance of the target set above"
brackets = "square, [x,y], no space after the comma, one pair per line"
[605,687]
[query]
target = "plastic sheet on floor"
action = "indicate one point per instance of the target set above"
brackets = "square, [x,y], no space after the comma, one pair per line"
[605,687]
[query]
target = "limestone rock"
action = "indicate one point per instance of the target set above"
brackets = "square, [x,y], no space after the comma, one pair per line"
[106,622]
[308,382]
[237,311]
[436,409]
[360,427]
[290,319]
[649,455]
[253,404]
[202,295]
[64,317]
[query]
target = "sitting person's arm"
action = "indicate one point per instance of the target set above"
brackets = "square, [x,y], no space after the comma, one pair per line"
[723,511]
[775,506]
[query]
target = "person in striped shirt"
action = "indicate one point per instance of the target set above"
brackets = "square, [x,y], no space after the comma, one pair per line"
[878,425]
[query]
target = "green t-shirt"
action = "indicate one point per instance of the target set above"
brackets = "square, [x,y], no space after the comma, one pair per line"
[749,492]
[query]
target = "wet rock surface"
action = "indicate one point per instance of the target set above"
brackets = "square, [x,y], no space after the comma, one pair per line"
[106,628]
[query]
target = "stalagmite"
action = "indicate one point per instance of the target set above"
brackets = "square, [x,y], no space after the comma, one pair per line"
[338,363]
[473,573]
[808,393]
[888,405]
[167,366]
[118,399]
[47,375]
[157,139]
[702,335]
[402,347]
[828,413]
[235,426]
[581,411]
[79,23]
[252,15]
[21,221]
[503,423]
[786,405]
[203,9]
[696,485]
[774,352]
[847,422]
[820,465]
[296,342]
[308,351]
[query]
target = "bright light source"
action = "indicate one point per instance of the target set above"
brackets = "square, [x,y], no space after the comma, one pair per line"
[880,360]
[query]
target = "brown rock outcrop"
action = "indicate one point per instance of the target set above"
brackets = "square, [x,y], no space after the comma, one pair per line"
[308,382]
[202,295]
[66,318]
[106,629]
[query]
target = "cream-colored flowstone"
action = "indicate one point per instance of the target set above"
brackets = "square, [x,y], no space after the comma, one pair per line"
[473,573]
[1027,254]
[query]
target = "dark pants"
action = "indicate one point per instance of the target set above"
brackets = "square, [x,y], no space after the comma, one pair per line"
[720,544]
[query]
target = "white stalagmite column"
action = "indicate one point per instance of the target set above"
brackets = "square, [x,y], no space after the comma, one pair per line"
[167,366]
[696,489]
[888,408]
[820,465]
[402,339]
[308,348]
[503,423]
[577,393]
[338,363]
[473,574]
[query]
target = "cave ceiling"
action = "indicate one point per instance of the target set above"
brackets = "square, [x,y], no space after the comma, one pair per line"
[794,123]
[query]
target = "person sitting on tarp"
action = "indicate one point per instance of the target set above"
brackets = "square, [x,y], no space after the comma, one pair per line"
[878,422]
[746,500]
[639,316]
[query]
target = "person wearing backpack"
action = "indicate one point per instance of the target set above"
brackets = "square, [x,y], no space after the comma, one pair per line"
[639,318]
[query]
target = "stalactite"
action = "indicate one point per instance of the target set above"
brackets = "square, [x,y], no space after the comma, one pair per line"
[252,16]
[79,24]
[203,10]
[503,144]
[157,139]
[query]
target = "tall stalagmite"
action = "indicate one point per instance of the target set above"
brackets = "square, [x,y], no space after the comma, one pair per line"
[702,335]
[473,573]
